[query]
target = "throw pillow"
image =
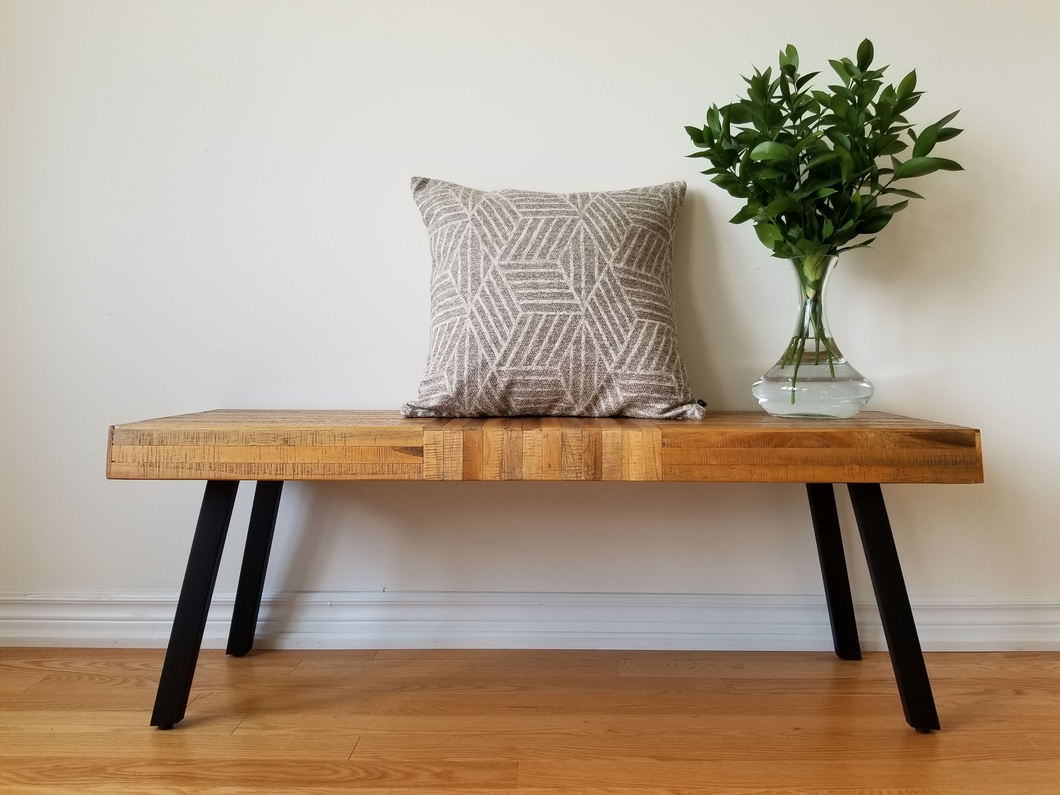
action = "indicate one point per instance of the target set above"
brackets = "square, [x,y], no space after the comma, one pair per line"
[551,304]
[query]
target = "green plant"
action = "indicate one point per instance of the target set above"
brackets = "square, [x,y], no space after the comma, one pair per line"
[808,164]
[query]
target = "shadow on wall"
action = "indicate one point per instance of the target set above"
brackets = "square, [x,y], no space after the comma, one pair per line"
[693,243]
[592,537]
[710,324]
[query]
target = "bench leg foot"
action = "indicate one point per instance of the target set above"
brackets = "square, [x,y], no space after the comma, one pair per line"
[255,563]
[893,601]
[194,603]
[834,570]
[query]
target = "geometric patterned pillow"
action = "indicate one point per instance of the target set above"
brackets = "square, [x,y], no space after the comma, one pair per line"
[551,304]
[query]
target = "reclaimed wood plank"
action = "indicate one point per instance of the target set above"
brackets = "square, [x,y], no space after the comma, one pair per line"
[873,447]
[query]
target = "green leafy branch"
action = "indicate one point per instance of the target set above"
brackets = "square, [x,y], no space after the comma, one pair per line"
[808,162]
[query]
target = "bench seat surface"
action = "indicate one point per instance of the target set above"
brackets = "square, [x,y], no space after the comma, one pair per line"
[230,444]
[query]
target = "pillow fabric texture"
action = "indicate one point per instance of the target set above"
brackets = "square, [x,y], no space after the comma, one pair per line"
[552,304]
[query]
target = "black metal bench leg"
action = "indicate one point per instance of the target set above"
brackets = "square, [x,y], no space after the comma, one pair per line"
[834,570]
[255,563]
[194,603]
[893,601]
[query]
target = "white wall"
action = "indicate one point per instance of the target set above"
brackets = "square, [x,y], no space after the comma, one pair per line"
[206,204]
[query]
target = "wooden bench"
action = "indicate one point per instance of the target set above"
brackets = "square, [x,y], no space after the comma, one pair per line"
[224,447]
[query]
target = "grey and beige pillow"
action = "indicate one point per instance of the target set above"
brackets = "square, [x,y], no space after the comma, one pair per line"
[551,304]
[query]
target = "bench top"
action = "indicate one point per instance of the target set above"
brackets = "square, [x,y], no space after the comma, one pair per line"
[726,446]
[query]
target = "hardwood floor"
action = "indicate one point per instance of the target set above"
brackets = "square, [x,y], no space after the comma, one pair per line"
[541,722]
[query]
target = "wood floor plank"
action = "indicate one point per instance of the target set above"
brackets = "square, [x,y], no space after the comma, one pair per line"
[90,724]
[187,745]
[716,744]
[461,699]
[17,681]
[614,723]
[750,772]
[132,789]
[1005,775]
[535,722]
[761,665]
[421,670]
[551,657]
[280,774]
[854,686]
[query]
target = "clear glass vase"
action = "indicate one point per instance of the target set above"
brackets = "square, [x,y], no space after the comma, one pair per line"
[812,377]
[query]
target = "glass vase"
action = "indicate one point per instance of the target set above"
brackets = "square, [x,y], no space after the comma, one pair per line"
[812,377]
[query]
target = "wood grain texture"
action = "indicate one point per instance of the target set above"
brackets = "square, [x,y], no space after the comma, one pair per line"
[377,445]
[539,722]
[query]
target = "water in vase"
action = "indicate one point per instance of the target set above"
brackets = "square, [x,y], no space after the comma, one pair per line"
[812,378]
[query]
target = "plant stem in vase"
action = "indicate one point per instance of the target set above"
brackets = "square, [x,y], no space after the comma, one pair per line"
[812,377]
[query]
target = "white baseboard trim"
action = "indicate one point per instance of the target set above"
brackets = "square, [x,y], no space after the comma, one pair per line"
[526,620]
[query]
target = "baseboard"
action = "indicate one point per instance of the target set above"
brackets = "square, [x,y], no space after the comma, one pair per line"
[526,620]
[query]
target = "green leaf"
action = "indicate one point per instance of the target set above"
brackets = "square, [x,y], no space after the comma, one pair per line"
[903,192]
[772,173]
[841,70]
[822,158]
[770,150]
[874,223]
[739,113]
[867,243]
[789,60]
[809,139]
[695,133]
[827,229]
[919,166]
[891,209]
[947,119]
[949,132]
[714,120]
[747,212]
[781,205]
[838,138]
[925,142]
[804,80]
[905,88]
[865,54]
[823,192]
[893,148]
[818,184]
[846,162]
[768,234]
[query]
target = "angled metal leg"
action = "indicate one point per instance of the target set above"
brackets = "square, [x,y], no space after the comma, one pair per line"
[194,603]
[834,570]
[255,562]
[893,601]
